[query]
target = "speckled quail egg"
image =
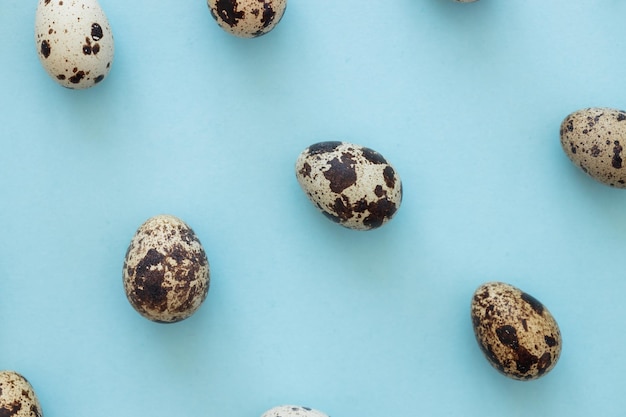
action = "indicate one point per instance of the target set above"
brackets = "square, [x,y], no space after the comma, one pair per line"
[17,397]
[166,271]
[517,333]
[350,184]
[293,411]
[74,41]
[247,18]
[594,140]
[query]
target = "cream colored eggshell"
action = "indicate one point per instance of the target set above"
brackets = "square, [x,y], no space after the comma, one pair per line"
[17,397]
[293,411]
[594,139]
[351,184]
[74,42]
[166,271]
[517,334]
[247,18]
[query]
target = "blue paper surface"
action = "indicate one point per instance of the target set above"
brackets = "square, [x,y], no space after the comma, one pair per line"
[465,100]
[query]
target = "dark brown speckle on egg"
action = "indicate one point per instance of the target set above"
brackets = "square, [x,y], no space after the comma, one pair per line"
[342,173]
[45,48]
[323,147]
[227,11]
[96,32]
[373,156]
[77,77]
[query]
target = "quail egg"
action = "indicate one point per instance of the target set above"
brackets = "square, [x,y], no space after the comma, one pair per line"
[17,397]
[350,184]
[166,271]
[247,18]
[594,140]
[74,42]
[517,333]
[293,411]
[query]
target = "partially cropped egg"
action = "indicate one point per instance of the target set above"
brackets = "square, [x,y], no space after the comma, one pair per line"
[74,42]
[247,18]
[166,270]
[350,184]
[293,411]
[515,331]
[17,397]
[594,139]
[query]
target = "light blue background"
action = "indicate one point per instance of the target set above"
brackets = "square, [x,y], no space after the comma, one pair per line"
[464,99]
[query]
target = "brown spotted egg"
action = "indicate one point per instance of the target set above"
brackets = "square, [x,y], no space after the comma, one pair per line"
[350,184]
[517,333]
[166,271]
[594,139]
[247,18]
[74,41]
[17,397]
[293,411]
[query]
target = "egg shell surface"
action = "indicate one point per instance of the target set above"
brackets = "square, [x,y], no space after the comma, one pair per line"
[74,42]
[166,271]
[593,139]
[293,411]
[517,333]
[17,397]
[247,18]
[352,185]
